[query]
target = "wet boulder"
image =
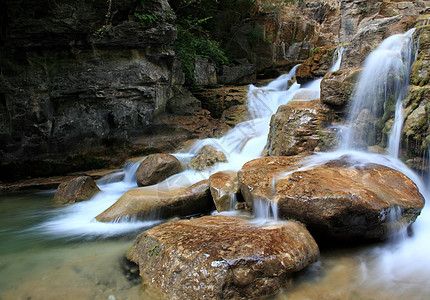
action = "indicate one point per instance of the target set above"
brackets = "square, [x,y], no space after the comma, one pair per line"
[337,87]
[296,128]
[420,73]
[75,190]
[156,168]
[221,257]
[224,189]
[342,199]
[317,65]
[160,202]
[206,158]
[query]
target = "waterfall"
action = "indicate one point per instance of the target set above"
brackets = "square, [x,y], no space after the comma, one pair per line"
[380,87]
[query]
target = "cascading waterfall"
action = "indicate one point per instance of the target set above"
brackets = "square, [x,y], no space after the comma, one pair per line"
[379,90]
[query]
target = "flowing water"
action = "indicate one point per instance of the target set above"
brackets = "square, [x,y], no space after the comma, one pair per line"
[50,252]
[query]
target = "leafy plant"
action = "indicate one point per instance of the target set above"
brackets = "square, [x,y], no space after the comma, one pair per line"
[193,41]
[146,20]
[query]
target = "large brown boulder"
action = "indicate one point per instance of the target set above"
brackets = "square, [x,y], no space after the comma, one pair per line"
[221,257]
[160,202]
[296,128]
[224,189]
[75,190]
[156,168]
[341,199]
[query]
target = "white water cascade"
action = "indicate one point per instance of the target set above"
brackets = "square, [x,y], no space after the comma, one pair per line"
[241,144]
[379,92]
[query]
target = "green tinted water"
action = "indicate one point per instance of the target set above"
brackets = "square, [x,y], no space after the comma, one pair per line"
[36,265]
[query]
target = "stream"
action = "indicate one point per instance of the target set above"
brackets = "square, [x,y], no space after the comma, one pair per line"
[52,252]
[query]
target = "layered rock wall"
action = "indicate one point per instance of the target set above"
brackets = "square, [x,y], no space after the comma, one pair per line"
[79,78]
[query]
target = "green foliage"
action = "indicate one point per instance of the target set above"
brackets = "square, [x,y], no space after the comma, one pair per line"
[146,20]
[364,10]
[315,51]
[193,41]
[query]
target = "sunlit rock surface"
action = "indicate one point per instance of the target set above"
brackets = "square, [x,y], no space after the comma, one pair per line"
[77,189]
[224,187]
[221,257]
[296,128]
[207,157]
[160,202]
[156,168]
[337,87]
[315,66]
[342,199]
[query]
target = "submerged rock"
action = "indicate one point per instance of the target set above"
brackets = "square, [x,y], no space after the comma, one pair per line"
[341,199]
[156,168]
[160,202]
[207,157]
[75,190]
[221,257]
[224,187]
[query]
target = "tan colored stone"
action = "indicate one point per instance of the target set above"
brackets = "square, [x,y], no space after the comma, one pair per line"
[157,167]
[221,257]
[224,187]
[337,87]
[160,202]
[342,199]
[207,157]
[77,189]
[315,66]
[295,128]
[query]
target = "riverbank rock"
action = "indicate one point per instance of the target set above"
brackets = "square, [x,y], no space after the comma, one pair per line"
[207,157]
[160,202]
[221,257]
[337,87]
[219,99]
[317,65]
[296,128]
[82,87]
[75,190]
[420,73]
[342,199]
[224,188]
[156,168]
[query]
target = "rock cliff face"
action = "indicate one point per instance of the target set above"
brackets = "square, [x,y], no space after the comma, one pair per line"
[77,78]
[86,84]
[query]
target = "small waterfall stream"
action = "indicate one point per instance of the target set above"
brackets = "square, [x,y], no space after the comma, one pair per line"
[397,269]
[380,88]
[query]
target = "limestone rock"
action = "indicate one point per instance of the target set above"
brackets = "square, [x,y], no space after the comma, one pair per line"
[369,34]
[206,158]
[420,73]
[217,100]
[315,66]
[160,202]
[75,190]
[295,128]
[221,257]
[235,115]
[156,168]
[415,130]
[205,72]
[224,187]
[337,87]
[79,90]
[240,74]
[342,199]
